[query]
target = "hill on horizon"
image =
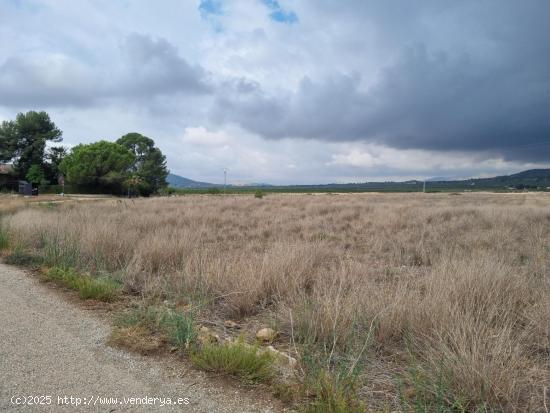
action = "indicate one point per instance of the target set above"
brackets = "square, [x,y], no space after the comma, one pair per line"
[177,181]
[530,177]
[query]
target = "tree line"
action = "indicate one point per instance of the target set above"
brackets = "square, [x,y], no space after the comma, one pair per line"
[131,164]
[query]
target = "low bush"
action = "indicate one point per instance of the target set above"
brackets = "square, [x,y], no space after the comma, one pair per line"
[237,359]
[331,381]
[177,327]
[180,328]
[24,258]
[423,394]
[59,251]
[333,394]
[103,289]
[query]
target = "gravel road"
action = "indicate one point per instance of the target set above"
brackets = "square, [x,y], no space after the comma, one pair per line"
[52,347]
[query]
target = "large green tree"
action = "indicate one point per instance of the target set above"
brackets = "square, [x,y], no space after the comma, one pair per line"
[36,175]
[100,166]
[149,167]
[54,157]
[23,141]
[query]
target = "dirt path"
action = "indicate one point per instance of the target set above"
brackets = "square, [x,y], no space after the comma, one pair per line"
[50,347]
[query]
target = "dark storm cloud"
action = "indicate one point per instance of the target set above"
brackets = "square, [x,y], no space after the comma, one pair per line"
[46,81]
[486,91]
[143,67]
[155,67]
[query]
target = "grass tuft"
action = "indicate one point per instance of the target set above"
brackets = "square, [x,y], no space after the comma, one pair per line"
[136,338]
[259,194]
[102,289]
[333,394]
[237,359]
[177,327]
[180,328]
[23,258]
[4,237]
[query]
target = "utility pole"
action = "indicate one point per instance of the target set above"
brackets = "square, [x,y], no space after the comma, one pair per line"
[224,179]
[424,187]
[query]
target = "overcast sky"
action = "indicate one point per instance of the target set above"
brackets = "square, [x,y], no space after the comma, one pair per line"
[291,91]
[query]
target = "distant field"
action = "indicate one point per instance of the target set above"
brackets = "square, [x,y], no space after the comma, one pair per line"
[410,301]
[343,189]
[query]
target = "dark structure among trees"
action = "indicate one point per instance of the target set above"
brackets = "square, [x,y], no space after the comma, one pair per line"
[8,178]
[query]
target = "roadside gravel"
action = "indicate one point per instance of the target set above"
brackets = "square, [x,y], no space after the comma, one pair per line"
[50,346]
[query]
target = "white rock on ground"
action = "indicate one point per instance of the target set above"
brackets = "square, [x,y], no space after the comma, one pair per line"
[266,335]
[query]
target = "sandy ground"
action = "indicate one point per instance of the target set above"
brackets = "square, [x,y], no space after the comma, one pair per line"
[51,347]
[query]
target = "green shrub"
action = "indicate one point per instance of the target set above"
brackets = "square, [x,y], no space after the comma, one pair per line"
[66,277]
[58,252]
[24,258]
[259,194]
[178,327]
[432,394]
[238,359]
[214,191]
[149,317]
[130,318]
[331,380]
[333,394]
[167,191]
[103,289]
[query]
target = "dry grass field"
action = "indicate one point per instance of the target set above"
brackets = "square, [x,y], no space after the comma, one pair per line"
[412,302]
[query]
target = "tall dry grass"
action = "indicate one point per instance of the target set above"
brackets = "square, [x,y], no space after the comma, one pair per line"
[440,299]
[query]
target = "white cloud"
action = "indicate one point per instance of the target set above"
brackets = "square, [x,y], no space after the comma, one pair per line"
[202,137]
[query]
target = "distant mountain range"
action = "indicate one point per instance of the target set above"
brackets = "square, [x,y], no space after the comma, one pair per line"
[176,181]
[530,179]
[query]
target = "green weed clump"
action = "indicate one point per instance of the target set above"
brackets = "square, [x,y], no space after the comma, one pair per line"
[237,359]
[259,194]
[333,394]
[59,252]
[4,237]
[426,393]
[331,381]
[178,327]
[24,258]
[102,289]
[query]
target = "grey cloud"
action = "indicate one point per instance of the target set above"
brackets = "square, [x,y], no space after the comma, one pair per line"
[47,81]
[142,68]
[423,101]
[155,67]
[491,94]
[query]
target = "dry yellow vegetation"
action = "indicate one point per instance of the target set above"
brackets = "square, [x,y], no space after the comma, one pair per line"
[429,299]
